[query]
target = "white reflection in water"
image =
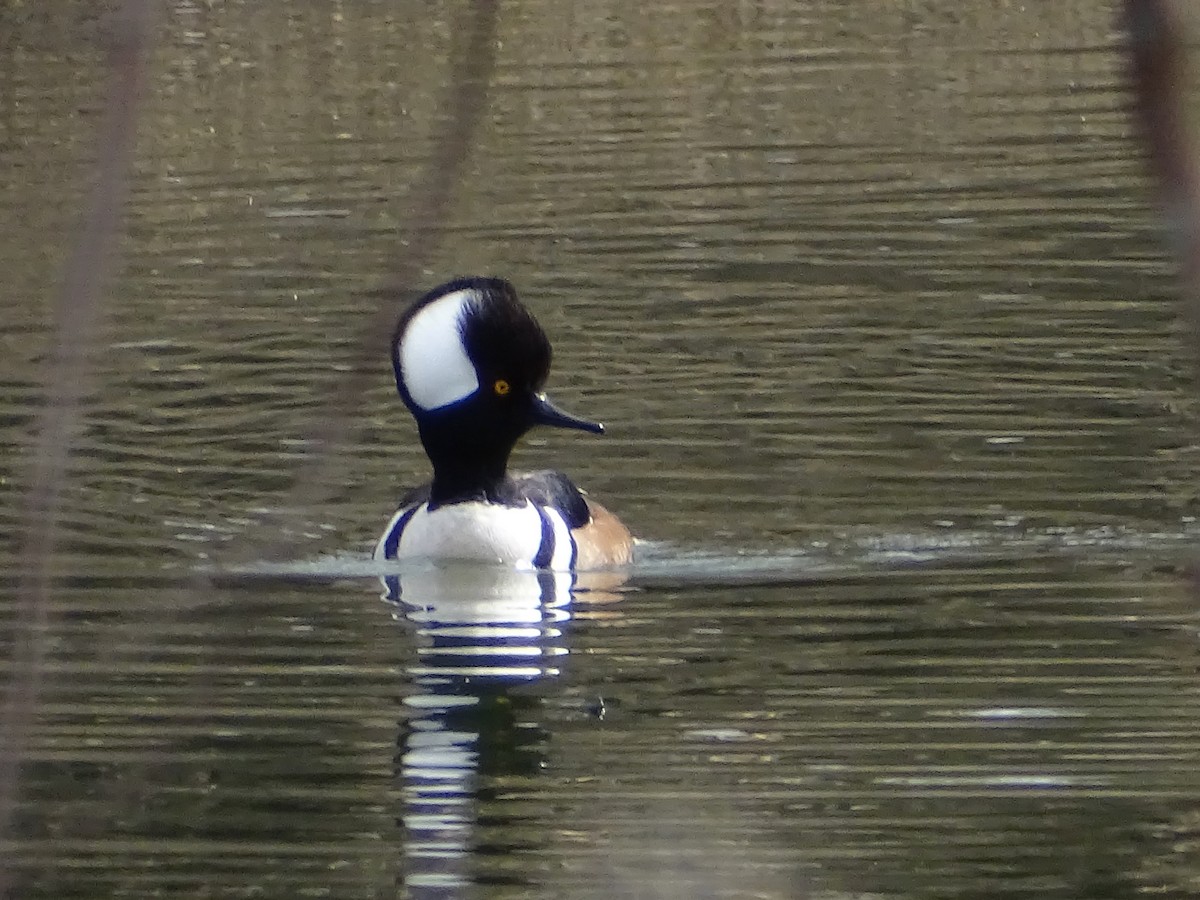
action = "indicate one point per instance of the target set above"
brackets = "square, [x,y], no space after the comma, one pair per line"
[484,622]
[480,631]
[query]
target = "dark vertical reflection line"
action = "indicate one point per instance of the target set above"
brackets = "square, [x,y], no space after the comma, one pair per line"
[66,378]
[428,207]
[1160,79]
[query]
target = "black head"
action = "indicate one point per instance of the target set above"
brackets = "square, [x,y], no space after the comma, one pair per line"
[470,363]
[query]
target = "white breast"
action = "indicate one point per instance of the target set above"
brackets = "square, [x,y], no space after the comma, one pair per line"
[480,532]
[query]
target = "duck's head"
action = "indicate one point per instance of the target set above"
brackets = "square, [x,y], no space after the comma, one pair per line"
[470,364]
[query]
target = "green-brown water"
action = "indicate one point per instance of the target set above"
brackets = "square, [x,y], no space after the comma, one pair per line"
[872,303]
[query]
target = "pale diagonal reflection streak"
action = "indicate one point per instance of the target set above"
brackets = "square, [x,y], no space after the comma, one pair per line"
[67,377]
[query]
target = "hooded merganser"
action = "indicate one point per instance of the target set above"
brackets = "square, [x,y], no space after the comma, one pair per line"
[470,362]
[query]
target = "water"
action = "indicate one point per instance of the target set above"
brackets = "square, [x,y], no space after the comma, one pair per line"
[871,301]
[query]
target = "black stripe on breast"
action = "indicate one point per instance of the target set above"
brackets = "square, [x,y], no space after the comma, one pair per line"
[391,583]
[392,542]
[546,549]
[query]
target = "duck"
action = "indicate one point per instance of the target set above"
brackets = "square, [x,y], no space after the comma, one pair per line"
[470,363]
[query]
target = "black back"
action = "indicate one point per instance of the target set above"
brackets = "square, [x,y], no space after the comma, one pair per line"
[547,488]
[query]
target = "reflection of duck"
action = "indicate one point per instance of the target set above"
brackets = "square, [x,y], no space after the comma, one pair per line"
[470,362]
[482,631]
[483,622]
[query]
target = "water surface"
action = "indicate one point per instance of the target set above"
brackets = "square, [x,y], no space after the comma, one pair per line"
[872,303]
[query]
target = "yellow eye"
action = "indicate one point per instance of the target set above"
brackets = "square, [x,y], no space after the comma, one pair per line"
[501,387]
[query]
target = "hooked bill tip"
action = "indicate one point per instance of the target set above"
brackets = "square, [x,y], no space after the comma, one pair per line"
[546,413]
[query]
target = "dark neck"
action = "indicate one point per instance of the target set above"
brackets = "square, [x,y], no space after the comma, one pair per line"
[465,469]
[456,484]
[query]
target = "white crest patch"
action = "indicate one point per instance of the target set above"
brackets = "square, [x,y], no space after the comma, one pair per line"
[433,360]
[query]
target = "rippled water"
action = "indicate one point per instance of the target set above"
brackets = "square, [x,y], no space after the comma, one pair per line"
[872,303]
